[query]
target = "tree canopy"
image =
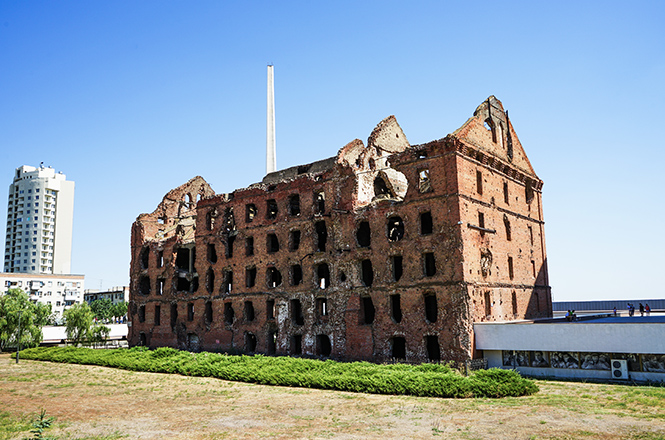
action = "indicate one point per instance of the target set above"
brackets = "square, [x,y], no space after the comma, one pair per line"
[102,308]
[79,326]
[33,317]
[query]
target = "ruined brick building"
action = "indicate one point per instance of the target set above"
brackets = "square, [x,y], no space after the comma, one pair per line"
[387,250]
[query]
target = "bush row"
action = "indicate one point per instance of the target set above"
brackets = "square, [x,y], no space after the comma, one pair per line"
[431,380]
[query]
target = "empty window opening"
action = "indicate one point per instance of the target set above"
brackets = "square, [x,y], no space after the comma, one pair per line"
[182,259]
[505,193]
[367,273]
[227,281]
[342,276]
[161,220]
[424,182]
[211,253]
[528,190]
[485,262]
[530,235]
[363,234]
[479,182]
[230,240]
[183,284]
[296,312]
[533,268]
[368,310]
[302,169]
[210,219]
[208,312]
[319,202]
[431,309]
[510,268]
[395,229]
[506,224]
[210,280]
[144,285]
[294,205]
[433,349]
[141,313]
[396,266]
[380,188]
[273,243]
[271,209]
[229,314]
[488,304]
[250,277]
[271,343]
[273,277]
[395,308]
[249,246]
[270,309]
[160,286]
[398,347]
[143,340]
[174,314]
[296,274]
[426,224]
[160,258]
[323,345]
[514,302]
[296,345]
[158,313]
[190,311]
[321,236]
[429,264]
[250,342]
[421,154]
[323,275]
[294,240]
[249,311]
[145,257]
[250,212]
[321,307]
[489,125]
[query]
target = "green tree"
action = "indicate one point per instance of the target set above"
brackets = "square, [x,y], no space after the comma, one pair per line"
[99,334]
[33,317]
[102,308]
[119,310]
[78,322]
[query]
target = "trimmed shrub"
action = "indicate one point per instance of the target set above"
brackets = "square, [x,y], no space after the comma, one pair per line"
[430,380]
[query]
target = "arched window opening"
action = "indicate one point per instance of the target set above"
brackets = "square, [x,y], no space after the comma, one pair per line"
[395,228]
[321,236]
[363,235]
[323,275]
[398,347]
[274,277]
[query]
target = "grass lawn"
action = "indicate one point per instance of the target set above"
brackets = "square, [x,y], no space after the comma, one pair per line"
[91,402]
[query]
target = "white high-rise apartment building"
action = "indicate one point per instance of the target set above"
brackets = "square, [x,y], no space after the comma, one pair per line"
[40,217]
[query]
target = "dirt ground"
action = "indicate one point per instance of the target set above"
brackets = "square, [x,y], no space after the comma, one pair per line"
[97,402]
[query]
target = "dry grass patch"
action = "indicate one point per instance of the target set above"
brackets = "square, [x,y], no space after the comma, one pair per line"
[103,403]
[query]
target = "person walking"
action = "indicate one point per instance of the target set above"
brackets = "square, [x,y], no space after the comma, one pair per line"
[641,309]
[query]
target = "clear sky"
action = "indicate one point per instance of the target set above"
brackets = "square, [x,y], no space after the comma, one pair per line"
[132,98]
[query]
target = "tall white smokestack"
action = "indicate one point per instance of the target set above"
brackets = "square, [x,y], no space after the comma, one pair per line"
[271,160]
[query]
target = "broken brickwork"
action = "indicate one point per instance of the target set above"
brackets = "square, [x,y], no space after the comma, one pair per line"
[385,251]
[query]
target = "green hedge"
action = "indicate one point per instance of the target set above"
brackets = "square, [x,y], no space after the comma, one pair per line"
[432,380]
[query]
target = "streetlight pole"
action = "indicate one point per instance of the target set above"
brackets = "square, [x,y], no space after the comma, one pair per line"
[18,345]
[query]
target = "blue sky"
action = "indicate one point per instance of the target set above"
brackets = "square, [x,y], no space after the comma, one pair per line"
[132,98]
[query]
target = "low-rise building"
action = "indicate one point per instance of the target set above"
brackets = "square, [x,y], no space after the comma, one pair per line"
[60,291]
[116,294]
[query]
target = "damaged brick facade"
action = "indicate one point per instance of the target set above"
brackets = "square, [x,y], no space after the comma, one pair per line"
[385,251]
